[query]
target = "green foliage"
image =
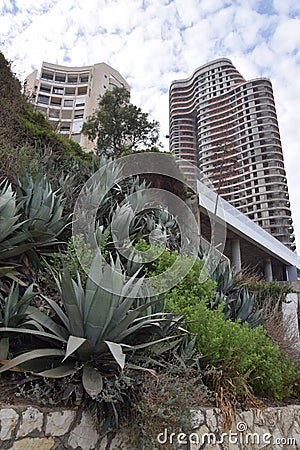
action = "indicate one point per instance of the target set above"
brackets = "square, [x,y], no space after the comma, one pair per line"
[239,303]
[44,391]
[268,295]
[31,219]
[13,240]
[27,139]
[244,354]
[69,257]
[98,331]
[119,127]
[13,312]
[241,352]
[13,307]
[189,286]
[42,209]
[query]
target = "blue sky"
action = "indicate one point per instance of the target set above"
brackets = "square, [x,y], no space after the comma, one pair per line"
[153,42]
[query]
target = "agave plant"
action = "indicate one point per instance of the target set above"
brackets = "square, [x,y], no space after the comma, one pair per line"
[42,209]
[240,306]
[97,331]
[13,239]
[13,312]
[126,206]
[30,219]
[238,301]
[226,281]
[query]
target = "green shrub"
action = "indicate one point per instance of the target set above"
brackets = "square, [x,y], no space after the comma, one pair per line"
[240,352]
[189,286]
[245,356]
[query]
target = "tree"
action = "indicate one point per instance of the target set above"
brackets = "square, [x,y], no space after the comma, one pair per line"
[118,127]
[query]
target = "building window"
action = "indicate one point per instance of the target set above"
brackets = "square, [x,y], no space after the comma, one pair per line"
[60,78]
[57,90]
[76,138]
[66,114]
[65,127]
[76,127]
[70,91]
[55,101]
[43,99]
[72,79]
[68,103]
[54,113]
[47,75]
[44,88]
[80,101]
[78,114]
[82,90]
[84,78]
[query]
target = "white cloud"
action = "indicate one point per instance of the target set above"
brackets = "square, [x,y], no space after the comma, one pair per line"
[286,38]
[287,7]
[152,42]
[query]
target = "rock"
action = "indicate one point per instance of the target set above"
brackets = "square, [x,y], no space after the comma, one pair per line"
[33,444]
[84,435]
[32,419]
[8,421]
[197,418]
[58,423]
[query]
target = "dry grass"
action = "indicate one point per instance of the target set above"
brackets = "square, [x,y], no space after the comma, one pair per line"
[281,334]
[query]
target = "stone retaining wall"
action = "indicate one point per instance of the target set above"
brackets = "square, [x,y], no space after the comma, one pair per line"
[30,428]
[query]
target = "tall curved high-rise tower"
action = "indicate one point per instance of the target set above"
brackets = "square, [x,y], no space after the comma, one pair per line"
[228,127]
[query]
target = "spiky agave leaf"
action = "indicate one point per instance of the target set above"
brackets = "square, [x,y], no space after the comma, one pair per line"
[42,209]
[98,327]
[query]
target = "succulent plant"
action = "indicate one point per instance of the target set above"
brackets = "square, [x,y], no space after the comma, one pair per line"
[31,219]
[238,301]
[13,312]
[97,330]
[42,209]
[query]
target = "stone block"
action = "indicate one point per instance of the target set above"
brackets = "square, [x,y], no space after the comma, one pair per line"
[197,418]
[84,435]
[8,421]
[32,419]
[211,419]
[204,436]
[247,418]
[34,444]
[59,422]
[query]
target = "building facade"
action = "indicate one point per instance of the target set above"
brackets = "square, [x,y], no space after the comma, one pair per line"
[68,95]
[227,127]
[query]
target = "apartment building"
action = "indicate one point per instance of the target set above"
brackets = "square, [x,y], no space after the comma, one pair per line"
[68,95]
[227,126]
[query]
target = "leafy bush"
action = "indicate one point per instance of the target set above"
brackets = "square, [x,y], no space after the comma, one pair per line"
[241,353]
[189,286]
[268,295]
[245,355]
